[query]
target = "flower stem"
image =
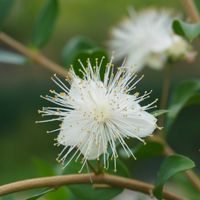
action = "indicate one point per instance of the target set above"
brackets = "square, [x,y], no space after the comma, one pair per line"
[191,10]
[57,181]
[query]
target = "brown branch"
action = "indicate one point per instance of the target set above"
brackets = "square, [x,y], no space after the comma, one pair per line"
[57,181]
[191,10]
[33,55]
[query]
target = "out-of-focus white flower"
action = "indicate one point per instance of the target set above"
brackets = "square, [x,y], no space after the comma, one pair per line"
[96,114]
[132,195]
[146,38]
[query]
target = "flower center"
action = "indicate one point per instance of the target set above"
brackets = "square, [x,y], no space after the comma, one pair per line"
[100,114]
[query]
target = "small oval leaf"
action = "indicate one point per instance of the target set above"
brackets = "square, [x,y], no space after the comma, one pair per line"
[45,23]
[12,58]
[180,97]
[187,30]
[40,194]
[75,46]
[170,167]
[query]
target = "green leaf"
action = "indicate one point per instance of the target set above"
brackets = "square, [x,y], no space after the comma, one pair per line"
[187,188]
[170,167]
[180,97]
[189,31]
[5,7]
[86,191]
[159,112]
[43,168]
[94,56]
[194,100]
[12,58]
[74,47]
[151,149]
[197,2]
[45,23]
[40,194]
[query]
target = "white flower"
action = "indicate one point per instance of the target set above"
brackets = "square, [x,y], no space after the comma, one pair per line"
[132,195]
[146,38]
[96,114]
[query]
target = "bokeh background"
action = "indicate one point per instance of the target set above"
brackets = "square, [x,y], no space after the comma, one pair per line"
[21,140]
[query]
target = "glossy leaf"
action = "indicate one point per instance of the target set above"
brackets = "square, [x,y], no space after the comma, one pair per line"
[151,149]
[159,112]
[187,188]
[75,46]
[187,30]
[37,196]
[12,58]
[98,194]
[5,7]
[45,23]
[180,97]
[170,167]
[94,56]
[45,169]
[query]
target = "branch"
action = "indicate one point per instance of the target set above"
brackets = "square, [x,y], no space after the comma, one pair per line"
[191,10]
[57,181]
[33,55]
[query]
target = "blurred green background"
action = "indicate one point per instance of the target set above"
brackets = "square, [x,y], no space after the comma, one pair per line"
[21,140]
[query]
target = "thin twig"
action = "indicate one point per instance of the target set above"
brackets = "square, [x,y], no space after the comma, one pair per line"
[165,93]
[191,10]
[33,55]
[57,181]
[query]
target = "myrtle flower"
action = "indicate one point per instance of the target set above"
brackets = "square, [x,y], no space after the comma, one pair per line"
[147,39]
[96,114]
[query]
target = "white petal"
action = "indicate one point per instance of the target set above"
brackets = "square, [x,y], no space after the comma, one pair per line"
[90,149]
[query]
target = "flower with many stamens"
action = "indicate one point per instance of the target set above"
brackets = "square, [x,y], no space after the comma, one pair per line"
[146,38]
[97,114]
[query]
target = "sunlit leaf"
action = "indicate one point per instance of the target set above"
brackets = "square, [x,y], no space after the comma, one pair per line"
[5,7]
[159,112]
[79,190]
[180,97]
[12,58]
[75,46]
[45,23]
[170,167]
[37,196]
[187,30]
